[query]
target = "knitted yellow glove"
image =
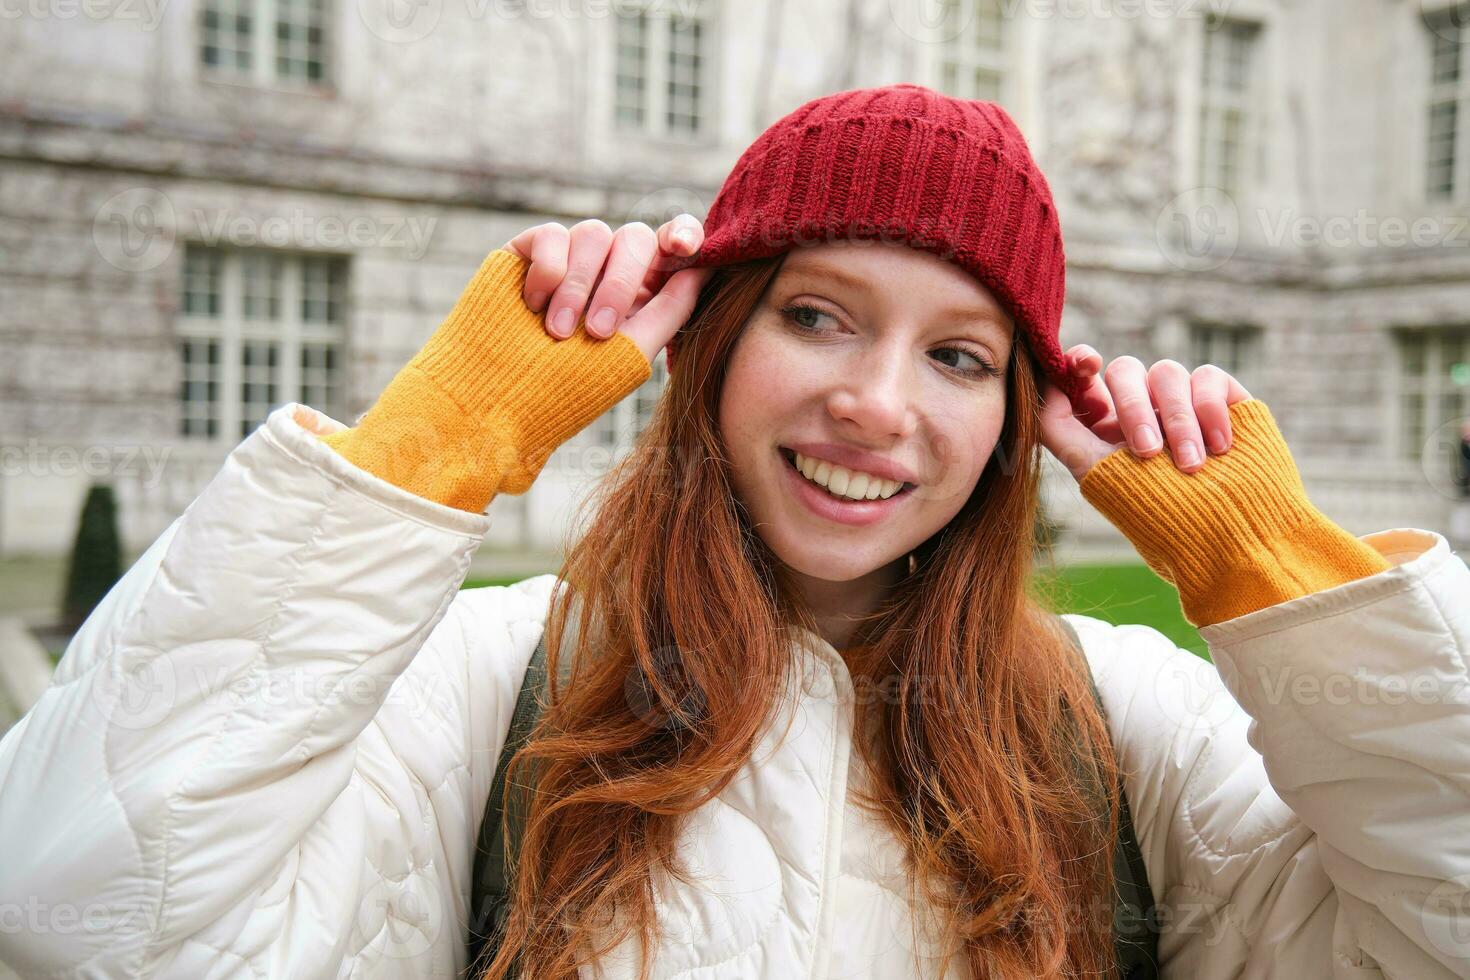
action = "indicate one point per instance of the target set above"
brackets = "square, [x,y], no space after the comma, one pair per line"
[1237,535]
[489,397]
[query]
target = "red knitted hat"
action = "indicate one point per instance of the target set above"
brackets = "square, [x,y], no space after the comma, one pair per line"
[903,163]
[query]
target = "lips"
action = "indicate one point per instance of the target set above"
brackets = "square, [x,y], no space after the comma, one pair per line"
[790,455]
[856,460]
[839,510]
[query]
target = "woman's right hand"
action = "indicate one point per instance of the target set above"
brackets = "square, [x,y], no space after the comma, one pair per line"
[638,281]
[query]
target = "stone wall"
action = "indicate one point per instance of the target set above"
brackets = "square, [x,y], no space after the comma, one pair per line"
[446,133]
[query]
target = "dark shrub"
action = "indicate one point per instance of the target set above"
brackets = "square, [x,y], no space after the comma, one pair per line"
[96,557]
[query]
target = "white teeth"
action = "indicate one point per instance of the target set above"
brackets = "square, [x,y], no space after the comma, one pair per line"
[843,482]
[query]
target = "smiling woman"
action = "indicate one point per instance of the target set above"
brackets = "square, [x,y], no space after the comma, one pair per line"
[784,732]
[792,579]
[869,381]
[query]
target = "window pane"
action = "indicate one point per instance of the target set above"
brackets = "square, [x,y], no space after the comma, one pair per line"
[203,279]
[323,289]
[1434,381]
[1446,52]
[262,278]
[301,30]
[1412,425]
[1229,347]
[321,381]
[1440,158]
[259,382]
[1226,101]
[276,351]
[1413,354]
[1448,409]
[604,429]
[988,25]
[199,389]
[645,398]
[1445,59]
[1452,352]
[684,88]
[1454,376]
[632,41]
[225,29]
[1236,50]
[986,85]
[973,60]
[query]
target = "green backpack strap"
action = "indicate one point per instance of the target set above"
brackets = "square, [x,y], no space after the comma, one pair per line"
[491,877]
[490,882]
[1135,940]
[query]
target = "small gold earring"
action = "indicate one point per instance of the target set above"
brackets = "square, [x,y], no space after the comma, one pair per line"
[913,563]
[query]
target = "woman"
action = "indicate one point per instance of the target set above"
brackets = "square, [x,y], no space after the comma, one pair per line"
[800,734]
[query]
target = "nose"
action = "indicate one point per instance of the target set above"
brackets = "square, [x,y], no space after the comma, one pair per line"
[875,394]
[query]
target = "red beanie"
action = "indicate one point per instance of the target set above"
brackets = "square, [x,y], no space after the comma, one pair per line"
[903,163]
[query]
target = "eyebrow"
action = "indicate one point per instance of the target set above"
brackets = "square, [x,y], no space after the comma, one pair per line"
[816,269]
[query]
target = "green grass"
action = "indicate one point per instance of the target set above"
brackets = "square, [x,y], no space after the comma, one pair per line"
[480,583]
[1117,593]
[1122,594]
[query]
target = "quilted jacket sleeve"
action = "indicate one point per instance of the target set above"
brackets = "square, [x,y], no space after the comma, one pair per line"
[264,754]
[1302,804]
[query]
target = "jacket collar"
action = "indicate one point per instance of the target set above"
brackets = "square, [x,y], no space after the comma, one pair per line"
[811,645]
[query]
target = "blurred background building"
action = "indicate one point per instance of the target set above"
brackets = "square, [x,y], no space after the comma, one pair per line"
[212,207]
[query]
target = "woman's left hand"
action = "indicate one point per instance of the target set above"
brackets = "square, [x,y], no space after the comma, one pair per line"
[1142,408]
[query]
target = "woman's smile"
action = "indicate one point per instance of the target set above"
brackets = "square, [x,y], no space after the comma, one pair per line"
[873,394]
[843,510]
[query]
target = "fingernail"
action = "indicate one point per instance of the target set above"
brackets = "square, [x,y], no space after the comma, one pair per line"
[562,324]
[1146,439]
[1188,454]
[602,321]
[1216,440]
[536,300]
[684,236]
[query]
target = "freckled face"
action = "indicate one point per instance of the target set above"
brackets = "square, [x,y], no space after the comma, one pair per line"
[875,347]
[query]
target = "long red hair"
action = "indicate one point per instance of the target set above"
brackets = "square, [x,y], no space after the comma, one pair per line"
[980,766]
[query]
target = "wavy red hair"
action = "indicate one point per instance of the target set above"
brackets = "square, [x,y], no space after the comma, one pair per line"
[980,766]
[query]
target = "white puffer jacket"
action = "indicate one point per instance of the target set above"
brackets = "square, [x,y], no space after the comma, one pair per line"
[266,754]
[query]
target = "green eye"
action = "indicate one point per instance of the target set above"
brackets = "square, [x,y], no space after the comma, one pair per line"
[802,315]
[797,312]
[982,369]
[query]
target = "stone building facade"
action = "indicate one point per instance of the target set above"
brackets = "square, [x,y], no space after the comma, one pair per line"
[210,207]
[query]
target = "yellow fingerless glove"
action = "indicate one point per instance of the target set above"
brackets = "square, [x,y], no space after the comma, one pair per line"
[489,397]
[1236,536]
